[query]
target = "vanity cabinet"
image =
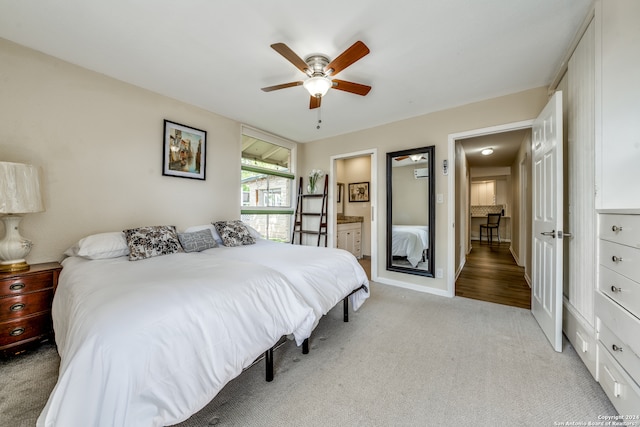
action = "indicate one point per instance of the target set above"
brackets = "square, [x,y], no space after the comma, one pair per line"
[349,237]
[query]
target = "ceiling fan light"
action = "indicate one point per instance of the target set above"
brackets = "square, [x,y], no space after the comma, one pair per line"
[416,157]
[487,151]
[318,86]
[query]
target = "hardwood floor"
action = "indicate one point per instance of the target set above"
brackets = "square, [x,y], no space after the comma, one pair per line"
[491,274]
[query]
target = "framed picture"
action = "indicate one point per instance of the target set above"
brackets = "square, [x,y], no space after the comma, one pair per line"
[359,192]
[184,152]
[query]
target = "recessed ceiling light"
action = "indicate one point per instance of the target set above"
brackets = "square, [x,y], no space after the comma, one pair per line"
[487,151]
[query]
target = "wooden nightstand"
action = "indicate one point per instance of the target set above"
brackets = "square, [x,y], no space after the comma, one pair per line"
[25,307]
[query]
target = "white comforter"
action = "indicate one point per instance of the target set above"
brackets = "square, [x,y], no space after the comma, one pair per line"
[409,241]
[148,343]
[323,276]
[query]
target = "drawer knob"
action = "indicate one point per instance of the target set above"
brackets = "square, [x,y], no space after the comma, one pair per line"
[16,286]
[616,258]
[615,228]
[616,348]
[16,332]
[17,307]
[615,289]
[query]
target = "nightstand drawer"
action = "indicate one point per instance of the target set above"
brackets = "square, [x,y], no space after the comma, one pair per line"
[25,304]
[26,283]
[23,329]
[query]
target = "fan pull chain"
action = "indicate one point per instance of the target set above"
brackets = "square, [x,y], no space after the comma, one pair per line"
[319,118]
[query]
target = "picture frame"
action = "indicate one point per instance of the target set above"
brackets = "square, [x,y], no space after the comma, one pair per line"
[184,151]
[359,191]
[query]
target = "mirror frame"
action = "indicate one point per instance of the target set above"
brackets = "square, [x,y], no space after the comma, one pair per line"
[430,150]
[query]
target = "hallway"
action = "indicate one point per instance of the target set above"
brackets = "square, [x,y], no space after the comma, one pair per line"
[491,274]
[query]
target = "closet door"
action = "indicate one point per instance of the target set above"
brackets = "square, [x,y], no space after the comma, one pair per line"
[618,134]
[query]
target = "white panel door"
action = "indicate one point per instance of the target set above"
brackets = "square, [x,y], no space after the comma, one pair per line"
[546,292]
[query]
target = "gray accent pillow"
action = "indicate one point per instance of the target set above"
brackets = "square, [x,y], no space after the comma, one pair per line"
[147,242]
[234,233]
[197,241]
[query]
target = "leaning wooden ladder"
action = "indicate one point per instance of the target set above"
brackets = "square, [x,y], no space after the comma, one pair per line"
[299,223]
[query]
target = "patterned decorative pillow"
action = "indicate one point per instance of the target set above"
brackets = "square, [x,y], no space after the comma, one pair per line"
[197,241]
[234,233]
[147,242]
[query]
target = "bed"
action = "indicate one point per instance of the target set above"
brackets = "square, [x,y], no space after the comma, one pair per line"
[410,242]
[322,276]
[149,343]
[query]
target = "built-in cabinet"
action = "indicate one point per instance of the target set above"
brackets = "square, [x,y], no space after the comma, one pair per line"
[618,104]
[349,237]
[617,299]
[602,295]
[483,193]
[618,311]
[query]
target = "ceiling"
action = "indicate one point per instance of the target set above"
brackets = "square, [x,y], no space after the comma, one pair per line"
[426,55]
[505,147]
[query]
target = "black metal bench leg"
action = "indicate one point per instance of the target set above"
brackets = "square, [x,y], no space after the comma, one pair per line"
[305,346]
[268,359]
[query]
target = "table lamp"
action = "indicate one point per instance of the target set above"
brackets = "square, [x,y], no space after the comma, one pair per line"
[19,194]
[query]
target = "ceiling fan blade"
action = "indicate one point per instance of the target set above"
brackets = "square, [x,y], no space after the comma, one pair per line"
[356,88]
[400,158]
[290,56]
[282,86]
[348,57]
[314,102]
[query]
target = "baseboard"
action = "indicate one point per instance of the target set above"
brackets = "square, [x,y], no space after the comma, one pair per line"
[460,267]
[515,257]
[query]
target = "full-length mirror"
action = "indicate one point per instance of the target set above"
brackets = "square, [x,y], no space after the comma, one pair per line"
[411,211]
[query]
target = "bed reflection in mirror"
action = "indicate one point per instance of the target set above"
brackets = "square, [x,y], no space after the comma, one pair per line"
[411,211]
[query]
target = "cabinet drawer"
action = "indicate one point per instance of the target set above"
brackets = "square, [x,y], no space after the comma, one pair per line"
[24,328]
[619,387]
[620,351]
[625,326]
[25,304]
[621,289]
[26,283]
[621,259]
[623,229]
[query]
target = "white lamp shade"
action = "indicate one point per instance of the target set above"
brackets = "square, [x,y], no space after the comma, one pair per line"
[19,189]
[318,86]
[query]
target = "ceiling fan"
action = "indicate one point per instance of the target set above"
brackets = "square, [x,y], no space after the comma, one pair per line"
[320,72]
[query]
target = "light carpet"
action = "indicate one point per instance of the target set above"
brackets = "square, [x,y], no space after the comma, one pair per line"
[404,359]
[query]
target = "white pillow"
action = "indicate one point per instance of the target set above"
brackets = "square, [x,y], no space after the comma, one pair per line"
[214,232]
[254,233]
[100,246]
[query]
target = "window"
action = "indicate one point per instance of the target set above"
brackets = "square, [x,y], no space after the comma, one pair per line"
[267,184]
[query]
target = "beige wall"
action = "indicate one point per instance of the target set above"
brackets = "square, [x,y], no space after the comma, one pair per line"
[429,129]
[98,143]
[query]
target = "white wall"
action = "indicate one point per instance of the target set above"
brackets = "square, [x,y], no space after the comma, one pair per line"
[98,143]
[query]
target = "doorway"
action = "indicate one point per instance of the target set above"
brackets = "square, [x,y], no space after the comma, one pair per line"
[349,168]
[496,272]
